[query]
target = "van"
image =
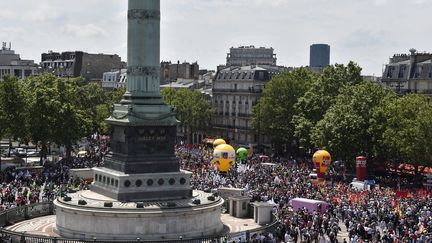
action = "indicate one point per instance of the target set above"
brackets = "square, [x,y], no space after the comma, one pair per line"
[309,204]
[359,186]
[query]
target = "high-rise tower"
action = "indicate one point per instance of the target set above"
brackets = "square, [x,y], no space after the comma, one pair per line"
[319,55]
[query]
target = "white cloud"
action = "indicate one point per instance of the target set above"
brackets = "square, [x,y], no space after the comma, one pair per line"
[380,2]
[5,14]
[88,30]
[367,31]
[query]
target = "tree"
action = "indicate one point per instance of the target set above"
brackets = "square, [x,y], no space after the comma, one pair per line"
[274,112]
[407,130]
[13,108]
[310,108]
[40,98]
[95,102]
[345,128]
[193,111]
[54,114]
[116,95]
[73,120]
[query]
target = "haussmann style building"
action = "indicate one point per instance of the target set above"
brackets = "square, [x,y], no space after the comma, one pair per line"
[236,90]
[409,73]
[250,55]
[237,87]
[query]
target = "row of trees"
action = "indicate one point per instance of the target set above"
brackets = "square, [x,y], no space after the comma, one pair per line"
[339,111]
[46,109]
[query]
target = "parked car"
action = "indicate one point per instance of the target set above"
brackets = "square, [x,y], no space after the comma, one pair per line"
[20,152]
[33,153]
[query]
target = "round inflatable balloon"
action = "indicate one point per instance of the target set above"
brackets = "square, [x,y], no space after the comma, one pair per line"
[218,142]
[224,157]
[321,160]
[242,154]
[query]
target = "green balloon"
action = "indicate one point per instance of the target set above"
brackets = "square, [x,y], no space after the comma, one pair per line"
[242,154]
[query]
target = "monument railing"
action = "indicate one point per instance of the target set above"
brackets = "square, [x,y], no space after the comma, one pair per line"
[18,214]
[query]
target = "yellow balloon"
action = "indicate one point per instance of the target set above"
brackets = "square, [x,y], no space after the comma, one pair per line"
[224,157]
[218,142]
[323,159]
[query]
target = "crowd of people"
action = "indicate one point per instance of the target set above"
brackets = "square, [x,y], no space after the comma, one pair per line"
[27,185]
[382,214]
[377,215]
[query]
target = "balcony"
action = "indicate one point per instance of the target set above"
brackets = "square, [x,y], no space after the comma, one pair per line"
[248,91]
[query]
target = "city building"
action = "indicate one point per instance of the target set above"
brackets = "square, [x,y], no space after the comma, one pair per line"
[235,91]
[409,73]
[319,56]
[114,79]
[75,64]
[180,75]
[250,55]
[171,72]
[185,84]
[12,64]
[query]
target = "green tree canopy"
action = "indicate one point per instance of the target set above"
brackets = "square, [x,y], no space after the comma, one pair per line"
[407,128]
[54,113]
[275,109]
[95,102]
[345,128]
[310,108]
[13,108]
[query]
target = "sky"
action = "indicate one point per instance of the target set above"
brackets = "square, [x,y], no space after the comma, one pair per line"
[365,31]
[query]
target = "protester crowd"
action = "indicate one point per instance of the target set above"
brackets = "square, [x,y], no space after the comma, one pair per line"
[378,215]
[22,186]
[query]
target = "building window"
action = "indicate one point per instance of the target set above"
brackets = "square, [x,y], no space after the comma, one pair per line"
[418,71]
[390,70]
[402,69]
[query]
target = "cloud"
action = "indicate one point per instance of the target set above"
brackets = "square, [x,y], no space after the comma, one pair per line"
[5,14]
[380,2]
[11,31]
[87,30]
[364,37]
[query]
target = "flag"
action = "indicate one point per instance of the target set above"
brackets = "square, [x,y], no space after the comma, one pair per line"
[28,195]
[398,210]
[401,194]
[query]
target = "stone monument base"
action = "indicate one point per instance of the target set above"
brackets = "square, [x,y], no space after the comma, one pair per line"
[141,187]
[104,218]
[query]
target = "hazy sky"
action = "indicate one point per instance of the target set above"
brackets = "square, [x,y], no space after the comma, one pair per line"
[365,31]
